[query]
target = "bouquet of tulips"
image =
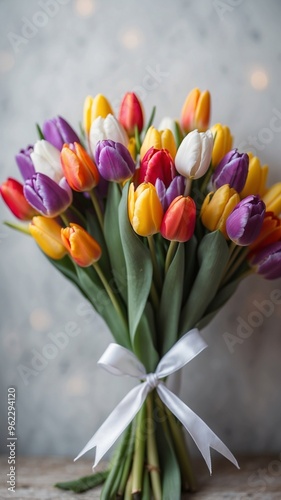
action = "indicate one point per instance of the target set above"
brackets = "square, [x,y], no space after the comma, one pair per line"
[156,227]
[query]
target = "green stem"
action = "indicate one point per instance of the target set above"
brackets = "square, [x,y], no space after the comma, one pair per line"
[187,474]
[64,219]
[115,466]
[152,454]
[138,463]
[240,258]
[146,494]
[96,206]
[110,293]
[127,467]
[128,490]
[154,297]
[74,209]
[18,227]
[156,270]
[170,254]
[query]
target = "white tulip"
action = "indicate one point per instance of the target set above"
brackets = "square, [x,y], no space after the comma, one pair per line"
[194,155]
[46,159]
[107,128]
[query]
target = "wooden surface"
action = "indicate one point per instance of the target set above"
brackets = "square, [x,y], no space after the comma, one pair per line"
[258,479]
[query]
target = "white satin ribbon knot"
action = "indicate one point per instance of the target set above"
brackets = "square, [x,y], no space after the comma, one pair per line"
[120,361]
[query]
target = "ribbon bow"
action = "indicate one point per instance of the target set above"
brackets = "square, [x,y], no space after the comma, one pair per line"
[120,361]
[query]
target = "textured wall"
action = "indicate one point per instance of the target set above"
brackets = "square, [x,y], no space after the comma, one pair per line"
[161,49]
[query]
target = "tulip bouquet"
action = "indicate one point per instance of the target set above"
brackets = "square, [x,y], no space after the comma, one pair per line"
[156,227]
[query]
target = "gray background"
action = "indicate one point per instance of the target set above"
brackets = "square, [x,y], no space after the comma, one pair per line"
[111,47]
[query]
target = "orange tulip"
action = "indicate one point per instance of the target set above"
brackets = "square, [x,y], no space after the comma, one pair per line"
[79,169]
[195,113]
[82,247]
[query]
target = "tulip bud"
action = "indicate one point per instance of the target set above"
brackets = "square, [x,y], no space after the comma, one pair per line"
[222,142]
[131,113]
[167,195]
[107,128]
[46,196]
[270,232]
[24,162]
[195,113]
[217,206]
[267,262]
[244,223]
[12,194]
[79,169]
[179,220]
[82,247]
[256,178]
[144,209]
[157,164]
[163,139]
[114,161]
[47,234]
[272,199]
[58,132]
[46,159]
[193,157]
[93,108]
[232,170]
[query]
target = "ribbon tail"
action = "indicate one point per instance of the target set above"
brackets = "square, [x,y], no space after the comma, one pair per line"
[116,422]
[202,435]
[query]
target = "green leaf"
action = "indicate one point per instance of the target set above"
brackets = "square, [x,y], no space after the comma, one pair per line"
[213,255]
[190,266]
[145,340]
[138,265]
[113,240]
[171,301]
[218,302]
[97,295]
[84,483]
[39,132]
[93,227]
[170,472]
[151,118]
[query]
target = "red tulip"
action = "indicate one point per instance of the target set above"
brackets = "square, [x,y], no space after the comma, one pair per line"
[12,193]
[157,164]
[179,220]
[131,113]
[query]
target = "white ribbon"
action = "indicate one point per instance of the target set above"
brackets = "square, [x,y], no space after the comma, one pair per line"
[120,361]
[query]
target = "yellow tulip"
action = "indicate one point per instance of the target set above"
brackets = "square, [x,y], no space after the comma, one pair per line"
[132,148]
[222,142]
[256,178]
[163,139]
[144,209]
[195,112]
[272,199]
[217,206]
[47,234]
[94,107]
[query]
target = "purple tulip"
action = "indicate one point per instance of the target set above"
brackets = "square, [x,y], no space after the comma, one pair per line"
[46,196]
[268,261]
[24,162]
[114,161]
[244,223]
[167,195]
[232,170]
[58,132]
